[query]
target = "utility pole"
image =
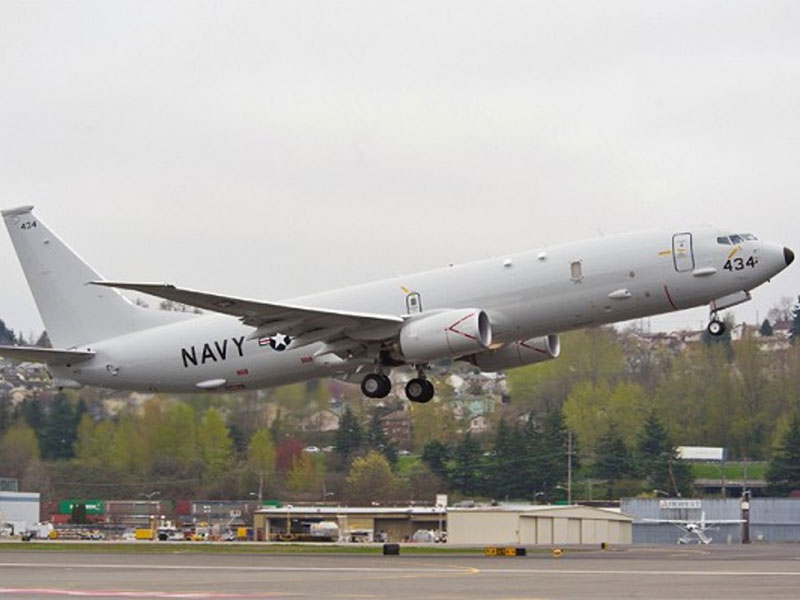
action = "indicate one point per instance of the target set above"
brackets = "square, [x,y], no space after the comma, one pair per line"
[260,489]
[569,467]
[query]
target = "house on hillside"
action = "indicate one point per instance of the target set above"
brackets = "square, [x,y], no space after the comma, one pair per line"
[398,427]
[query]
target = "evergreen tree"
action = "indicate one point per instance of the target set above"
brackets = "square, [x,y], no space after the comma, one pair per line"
[531,460]
[5,414]
[435,455]
[794,331]
[78,516]
[613,460]
[658,461]
[378,440]
[33,413]
[349,436]
[783,471]
[555,445]
[766,329]
[506,463]
[466,472]
[7,337]
[60,430]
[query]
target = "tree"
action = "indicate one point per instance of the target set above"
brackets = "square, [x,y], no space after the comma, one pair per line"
[60,429]
[349,436]
[555,446]
[766,329]
[305,475]
[612,459]
[7,337]
[783,470]
[794,331]
[216,446]
[78,514]
[504,473]
[370,479]
[435,455]
[658,459]
[466,474]
[19,448]
[378,440]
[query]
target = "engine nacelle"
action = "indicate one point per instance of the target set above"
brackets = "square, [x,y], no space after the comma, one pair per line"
[518,354]
[449,334]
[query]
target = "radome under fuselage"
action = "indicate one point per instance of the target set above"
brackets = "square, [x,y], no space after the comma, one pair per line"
[525,295]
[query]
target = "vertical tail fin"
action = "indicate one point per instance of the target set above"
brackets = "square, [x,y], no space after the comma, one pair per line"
[73,312]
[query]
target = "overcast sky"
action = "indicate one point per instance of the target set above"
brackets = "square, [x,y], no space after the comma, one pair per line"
[270,149]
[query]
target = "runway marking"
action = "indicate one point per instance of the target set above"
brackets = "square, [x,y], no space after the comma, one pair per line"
[568,571]
[129,567]
[404,570]
[132,594]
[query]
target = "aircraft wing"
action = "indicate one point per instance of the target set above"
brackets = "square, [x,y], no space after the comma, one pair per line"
[305,324]
[44,355]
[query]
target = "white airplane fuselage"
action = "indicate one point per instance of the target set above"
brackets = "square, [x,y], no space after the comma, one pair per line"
[525,295]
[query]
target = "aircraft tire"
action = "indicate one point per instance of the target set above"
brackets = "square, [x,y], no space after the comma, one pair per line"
[376,385]
[419,390]
[716,328]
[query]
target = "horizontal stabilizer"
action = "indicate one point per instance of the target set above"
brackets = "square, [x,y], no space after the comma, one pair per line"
[44,355]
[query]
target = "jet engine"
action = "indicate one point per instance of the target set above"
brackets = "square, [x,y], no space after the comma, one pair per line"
[448,334]
[517,354]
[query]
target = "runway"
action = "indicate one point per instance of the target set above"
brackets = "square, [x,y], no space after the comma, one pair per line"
[652,572]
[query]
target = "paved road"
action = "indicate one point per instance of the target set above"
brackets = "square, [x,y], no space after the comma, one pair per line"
[659,572]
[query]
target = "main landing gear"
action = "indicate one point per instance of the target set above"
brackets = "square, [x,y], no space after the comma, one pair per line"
[376,385]
[419,389]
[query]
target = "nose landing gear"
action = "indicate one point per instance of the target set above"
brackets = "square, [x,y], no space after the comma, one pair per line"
[716,327]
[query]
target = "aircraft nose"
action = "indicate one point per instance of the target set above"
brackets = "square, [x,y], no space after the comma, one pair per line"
[788,255]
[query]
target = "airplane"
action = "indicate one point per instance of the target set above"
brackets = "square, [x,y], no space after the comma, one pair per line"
[496,314]
[695,528]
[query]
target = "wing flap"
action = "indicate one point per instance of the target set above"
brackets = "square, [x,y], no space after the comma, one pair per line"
[45,355]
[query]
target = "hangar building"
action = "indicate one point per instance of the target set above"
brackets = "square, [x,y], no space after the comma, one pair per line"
[537,525]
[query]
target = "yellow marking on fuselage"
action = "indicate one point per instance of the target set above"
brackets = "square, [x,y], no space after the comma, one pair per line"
[665,253]
[405,289]
[734,251]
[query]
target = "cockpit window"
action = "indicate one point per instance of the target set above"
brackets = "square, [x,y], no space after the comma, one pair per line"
[723,240]
[736,239]
[749,237]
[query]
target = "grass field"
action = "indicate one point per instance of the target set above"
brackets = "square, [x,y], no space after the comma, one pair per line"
[733,470]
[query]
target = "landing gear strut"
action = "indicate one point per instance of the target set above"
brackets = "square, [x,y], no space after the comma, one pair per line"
[376,385]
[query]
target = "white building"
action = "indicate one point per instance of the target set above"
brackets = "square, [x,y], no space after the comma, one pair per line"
[19,509]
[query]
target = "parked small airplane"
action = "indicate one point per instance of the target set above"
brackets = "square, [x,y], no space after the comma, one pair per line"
[496,313]
[695,528]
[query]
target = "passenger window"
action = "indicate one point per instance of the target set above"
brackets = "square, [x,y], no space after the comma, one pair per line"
[736,239]
[723,240]
[576,270]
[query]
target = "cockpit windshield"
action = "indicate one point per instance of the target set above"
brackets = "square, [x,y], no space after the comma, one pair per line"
[736,238]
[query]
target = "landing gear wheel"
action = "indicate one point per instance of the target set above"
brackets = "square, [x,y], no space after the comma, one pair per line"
[419,390]
[716,327]
[376,385]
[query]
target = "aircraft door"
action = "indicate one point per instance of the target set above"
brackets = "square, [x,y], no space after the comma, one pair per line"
[413,303]
[682,253]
